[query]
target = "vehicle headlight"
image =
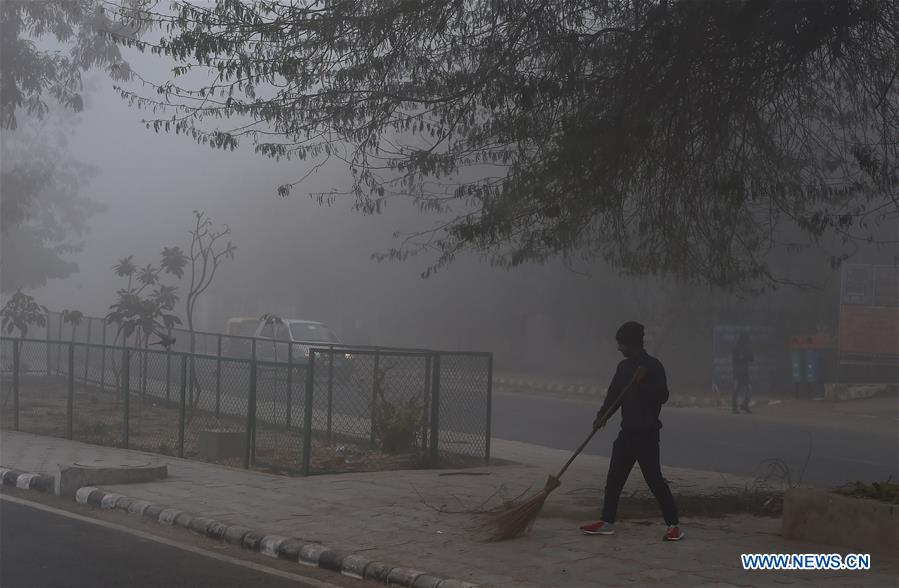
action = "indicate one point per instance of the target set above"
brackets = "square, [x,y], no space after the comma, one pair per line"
[348,356]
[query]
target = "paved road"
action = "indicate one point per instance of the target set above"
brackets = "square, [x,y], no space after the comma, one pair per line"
[711,440]
[44,549]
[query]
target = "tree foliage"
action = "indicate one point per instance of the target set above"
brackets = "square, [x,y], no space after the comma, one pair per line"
[22,311]
[33,69]
[43,213]
[147,314]
[666,136]
[44,47]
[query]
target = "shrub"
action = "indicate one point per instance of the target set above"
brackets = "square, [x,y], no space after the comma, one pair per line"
[396,423]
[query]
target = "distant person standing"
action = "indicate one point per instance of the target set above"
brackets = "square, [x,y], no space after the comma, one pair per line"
[742,356]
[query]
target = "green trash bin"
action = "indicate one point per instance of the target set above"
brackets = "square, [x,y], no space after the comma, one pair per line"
[812,366]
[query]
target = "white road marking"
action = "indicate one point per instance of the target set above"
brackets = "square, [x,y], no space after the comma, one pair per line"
[150,537]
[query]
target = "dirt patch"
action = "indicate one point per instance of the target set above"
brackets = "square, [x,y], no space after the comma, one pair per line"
[98,417]
[641,506]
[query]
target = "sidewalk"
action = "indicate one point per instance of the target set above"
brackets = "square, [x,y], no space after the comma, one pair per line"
[422,519]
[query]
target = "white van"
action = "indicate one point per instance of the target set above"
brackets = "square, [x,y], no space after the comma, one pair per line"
[274,334]
[234,345]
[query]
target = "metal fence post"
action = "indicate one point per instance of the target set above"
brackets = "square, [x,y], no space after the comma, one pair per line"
[435,410]
[182,405]
[103,359]
[218,376]
[144,365]
[426,413]
[330,390]
[70,392]
[251,417]
[126,389]
[49,346]
[16,352]
[168,372]
[87,349]
[59,346]
[307,414]
[489,407]
[289,383]
[374,397]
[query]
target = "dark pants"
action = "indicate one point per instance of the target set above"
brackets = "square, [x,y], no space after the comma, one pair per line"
[741,388]
[642,448]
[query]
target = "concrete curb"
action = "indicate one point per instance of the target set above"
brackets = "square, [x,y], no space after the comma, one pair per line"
[288,548]
[861,524]
[27,481]
[598,392]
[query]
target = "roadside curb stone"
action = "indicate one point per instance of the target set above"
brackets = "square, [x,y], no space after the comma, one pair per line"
[168,516]
[290,549]
[331,560]
[26,481]
[152,511]
[403,576]
[216,530]
[272,545]
[184,519]
[354,566]
[377,571]
[311,553]
[426,581]
[234,534]
[108,500]
[200,525]
[675,401]
[252,540]
[138,507]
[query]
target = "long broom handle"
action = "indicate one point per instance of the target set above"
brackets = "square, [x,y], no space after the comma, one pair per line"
[638,377]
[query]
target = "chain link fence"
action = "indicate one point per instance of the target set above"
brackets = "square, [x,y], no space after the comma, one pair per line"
[326,410]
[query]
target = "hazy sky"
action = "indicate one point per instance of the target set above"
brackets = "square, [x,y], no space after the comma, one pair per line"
[297,257]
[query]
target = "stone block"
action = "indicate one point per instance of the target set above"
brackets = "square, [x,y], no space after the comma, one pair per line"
[100,472]
[860,524]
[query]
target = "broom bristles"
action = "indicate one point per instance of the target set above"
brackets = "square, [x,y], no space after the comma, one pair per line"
[517,520]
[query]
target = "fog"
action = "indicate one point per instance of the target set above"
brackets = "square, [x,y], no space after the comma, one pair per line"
[298,258]
[725,315]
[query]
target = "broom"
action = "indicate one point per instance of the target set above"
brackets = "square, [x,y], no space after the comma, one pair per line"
[517,520]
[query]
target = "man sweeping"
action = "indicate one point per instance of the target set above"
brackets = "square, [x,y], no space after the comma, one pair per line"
[638,440]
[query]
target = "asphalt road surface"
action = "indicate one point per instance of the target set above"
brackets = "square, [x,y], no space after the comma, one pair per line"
[711,440]
[42,549]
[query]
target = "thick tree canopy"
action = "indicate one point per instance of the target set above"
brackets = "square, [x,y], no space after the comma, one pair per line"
[673,137]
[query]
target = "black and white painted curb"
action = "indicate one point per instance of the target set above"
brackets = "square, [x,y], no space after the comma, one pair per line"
[676,400]
[311,554]
[26,481]
[544,386]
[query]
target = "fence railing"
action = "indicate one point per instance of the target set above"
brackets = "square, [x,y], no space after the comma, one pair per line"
[339,409]
[96,330]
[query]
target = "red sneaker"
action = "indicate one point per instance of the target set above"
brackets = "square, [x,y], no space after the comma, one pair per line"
[673,534]
[598,528]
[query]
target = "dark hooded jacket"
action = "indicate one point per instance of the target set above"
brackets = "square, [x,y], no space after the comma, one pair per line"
[640,406]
